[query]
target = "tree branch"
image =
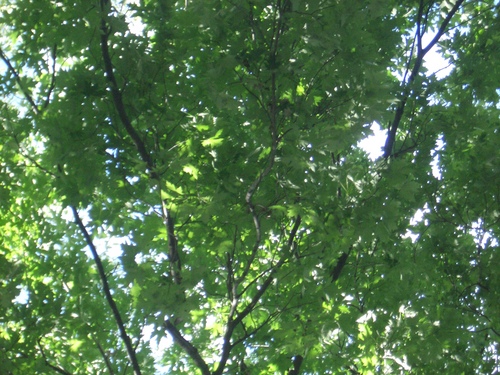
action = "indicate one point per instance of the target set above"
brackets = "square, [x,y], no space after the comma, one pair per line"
[278,26]
[105,357]
[248,198]
[297,363]
[53,77]
[53,367]
[187,346]
[173,253]
[444,25]
[336,271]
[17,78]
[233,323]
[421,52]
[117,95]
[107,292]
[175,265]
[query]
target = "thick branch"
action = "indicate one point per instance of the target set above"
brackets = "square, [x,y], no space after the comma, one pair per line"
[187,346]
[444,25]
[421,52]
[107,292]
[341,262]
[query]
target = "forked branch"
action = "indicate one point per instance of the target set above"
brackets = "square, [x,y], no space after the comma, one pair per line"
[236,318]
[421,52]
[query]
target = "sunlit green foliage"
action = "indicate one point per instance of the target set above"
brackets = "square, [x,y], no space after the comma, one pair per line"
[189,174]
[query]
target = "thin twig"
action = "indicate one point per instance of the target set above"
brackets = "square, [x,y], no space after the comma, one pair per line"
[17,78]
[52,79]
[232,323]
[105,357]
[53,367]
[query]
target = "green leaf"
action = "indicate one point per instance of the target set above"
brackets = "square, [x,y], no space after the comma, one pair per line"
[213,153]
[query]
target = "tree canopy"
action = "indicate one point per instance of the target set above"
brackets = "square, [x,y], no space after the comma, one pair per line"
[183,190]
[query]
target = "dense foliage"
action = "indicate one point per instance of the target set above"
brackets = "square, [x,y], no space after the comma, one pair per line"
[189,174]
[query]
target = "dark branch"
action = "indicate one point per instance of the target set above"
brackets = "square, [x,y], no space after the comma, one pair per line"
[17,78]
[105,357]
[107,292]
[117,95]
[173,253]
[293,232]
[442,29]
[187,346]
[53,367]
[296,362]
[53,77]
[252,332]
[421,52]
[136,138]
[336,271]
